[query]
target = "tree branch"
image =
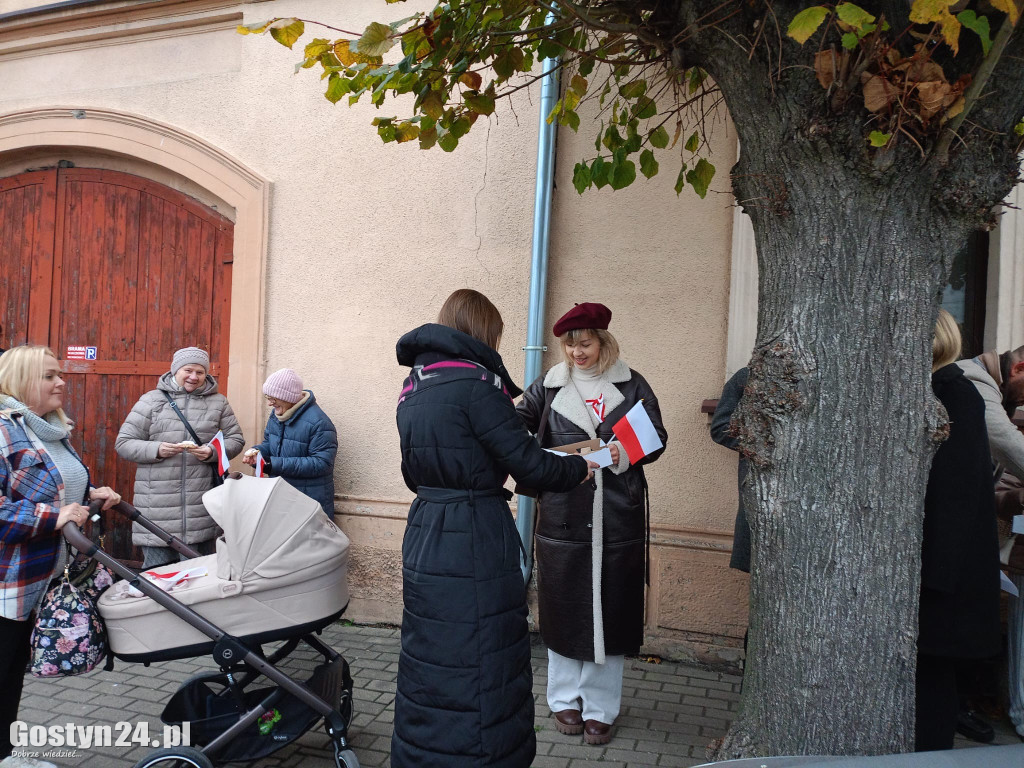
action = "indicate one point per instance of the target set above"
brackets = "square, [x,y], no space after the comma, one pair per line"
[974,91]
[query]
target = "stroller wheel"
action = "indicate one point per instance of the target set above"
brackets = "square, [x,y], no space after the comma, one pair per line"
[177,757]
[346,758]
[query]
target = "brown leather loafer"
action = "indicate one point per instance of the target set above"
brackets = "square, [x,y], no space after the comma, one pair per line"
[569,722]
[596,732]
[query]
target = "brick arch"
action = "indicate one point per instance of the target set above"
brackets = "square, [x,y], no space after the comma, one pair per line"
[164,146]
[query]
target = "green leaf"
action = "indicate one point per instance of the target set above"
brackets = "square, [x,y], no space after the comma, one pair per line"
[579,85]
[570,119]
[623,174]
[658,137]
[692,143]
[406,132]
[633,90]
[481,103]
[433,105]
[806,23]
[1019,128]
[648,165]
[680,180]
[850,40]
[376,40]
[854,16]
[697,76]
[599,172]
[581,177]
[461,127]
[978,25]
[549,49]
[587,64]
[571,99]
[448,142]
[645,108]
[428,138]
[317,48]
[700,177]
[336,88]
[612,139]
[508,62]
[879,139]
[287,31]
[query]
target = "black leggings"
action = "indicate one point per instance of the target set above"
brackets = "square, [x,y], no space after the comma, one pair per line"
[14,653]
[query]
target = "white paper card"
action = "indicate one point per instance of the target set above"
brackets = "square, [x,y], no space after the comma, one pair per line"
[1018,523]
[1008,586]
[603,457]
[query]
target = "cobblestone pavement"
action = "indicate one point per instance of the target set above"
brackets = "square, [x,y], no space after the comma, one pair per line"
[670,712]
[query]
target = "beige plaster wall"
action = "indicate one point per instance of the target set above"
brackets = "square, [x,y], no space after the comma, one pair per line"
[364,242]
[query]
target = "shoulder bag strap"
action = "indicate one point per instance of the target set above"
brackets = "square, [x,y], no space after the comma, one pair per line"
[174,405]
[542,427]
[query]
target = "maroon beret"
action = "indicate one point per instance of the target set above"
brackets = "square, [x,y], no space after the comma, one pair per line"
[588,315]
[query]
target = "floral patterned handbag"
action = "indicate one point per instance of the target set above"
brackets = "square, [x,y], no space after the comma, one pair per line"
[69,637]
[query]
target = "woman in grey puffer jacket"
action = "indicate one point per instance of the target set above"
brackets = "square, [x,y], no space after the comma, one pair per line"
[171,479]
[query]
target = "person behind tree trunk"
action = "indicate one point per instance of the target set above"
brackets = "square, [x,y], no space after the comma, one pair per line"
[999,378]
[465,685]
[591,540]
[959,603]
[43,486]
[300,441]
[721,433]
[174,472]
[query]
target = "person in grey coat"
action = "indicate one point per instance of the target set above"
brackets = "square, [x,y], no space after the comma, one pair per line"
[173,472]
[999,378]
[721,434]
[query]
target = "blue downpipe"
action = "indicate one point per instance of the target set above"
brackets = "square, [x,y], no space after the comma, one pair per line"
[539,272]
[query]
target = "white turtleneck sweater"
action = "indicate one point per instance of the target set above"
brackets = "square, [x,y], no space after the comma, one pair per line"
[589,383]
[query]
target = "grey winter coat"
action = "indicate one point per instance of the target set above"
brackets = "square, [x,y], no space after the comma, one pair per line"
[169,491]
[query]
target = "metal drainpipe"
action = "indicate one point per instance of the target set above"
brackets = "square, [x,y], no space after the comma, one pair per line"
[539,272]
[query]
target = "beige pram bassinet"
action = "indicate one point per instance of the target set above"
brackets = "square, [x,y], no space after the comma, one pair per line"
[280,567]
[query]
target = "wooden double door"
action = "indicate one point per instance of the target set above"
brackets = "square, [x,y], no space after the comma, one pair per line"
[113,272]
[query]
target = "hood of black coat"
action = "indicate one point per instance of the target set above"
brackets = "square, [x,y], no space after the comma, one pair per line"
[433,342]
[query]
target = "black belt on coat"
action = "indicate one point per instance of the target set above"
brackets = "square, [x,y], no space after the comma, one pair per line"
[453,495]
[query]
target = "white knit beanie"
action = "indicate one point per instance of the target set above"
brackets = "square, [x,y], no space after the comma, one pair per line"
[190,356]
[284,385]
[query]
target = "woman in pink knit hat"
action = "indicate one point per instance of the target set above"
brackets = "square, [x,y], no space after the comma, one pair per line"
[300,441]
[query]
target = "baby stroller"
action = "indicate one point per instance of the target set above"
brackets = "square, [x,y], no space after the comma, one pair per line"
[279,573]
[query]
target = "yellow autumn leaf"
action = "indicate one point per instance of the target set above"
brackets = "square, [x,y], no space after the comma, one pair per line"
[1009,7]
[929,11]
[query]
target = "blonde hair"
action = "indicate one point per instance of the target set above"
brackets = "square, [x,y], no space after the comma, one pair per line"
[21,369]
[946,342]
[472,313]
[606,357]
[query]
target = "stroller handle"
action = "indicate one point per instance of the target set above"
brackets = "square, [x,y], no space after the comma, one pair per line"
[126,509]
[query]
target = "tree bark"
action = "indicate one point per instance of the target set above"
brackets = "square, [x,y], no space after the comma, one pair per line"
[839,424]
[838,419]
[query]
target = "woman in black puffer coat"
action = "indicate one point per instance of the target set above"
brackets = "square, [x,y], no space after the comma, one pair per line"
[465,685]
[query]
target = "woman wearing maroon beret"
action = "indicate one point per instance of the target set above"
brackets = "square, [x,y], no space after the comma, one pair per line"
[591,541]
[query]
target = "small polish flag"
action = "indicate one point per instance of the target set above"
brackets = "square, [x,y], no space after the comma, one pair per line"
[261,469]
[637,434]
[223,463]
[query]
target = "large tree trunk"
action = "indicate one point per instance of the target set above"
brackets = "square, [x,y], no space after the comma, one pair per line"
[838,420]
[839,424]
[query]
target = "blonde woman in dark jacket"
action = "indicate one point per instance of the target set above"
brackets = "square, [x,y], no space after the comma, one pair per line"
[173,472]
[591,540]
